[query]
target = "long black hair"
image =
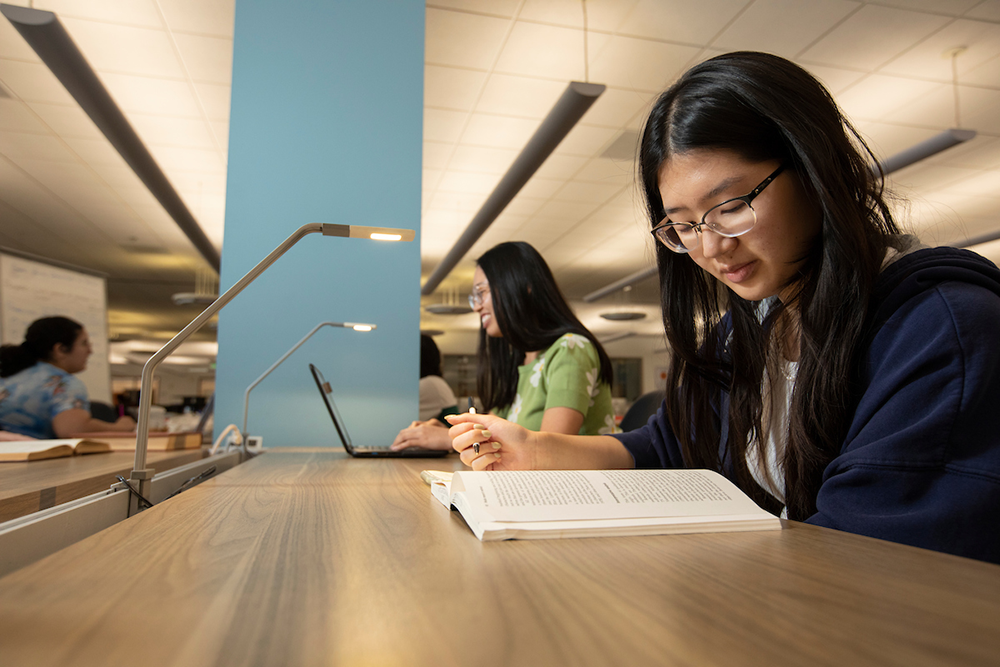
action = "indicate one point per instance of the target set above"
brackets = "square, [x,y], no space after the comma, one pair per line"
[531,313]
[762,107]
[430,357]
[41,337]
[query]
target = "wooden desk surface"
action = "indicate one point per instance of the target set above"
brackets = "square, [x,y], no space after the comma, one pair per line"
[318,559]
[29,486]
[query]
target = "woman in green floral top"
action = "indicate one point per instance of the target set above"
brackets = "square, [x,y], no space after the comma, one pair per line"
[538,365]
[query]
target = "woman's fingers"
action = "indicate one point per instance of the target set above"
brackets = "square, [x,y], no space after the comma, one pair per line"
[467,440]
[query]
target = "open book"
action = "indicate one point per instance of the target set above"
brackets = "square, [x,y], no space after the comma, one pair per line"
[538,504]
[35,450]
[158,441]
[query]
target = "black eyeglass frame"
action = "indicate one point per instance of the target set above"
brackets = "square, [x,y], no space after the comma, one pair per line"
[746,199]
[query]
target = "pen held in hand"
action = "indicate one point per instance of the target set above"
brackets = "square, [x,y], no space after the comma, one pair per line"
[472,411]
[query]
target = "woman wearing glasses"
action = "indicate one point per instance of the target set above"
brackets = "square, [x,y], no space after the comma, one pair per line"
[840,373]
[539,367]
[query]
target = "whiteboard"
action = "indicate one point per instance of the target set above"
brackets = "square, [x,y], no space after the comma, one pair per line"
[30,290]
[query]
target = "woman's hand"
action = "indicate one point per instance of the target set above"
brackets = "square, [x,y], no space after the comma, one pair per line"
[430,434]
[123,423]
[503,445]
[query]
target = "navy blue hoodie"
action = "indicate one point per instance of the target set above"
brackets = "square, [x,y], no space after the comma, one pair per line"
[921,461]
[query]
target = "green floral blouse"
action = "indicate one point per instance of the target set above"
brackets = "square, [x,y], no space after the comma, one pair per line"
[564,376]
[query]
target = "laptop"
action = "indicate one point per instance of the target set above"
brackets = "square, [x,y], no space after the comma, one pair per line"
[364,452]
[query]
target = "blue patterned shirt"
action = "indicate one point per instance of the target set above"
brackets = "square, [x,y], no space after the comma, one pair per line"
[30,399]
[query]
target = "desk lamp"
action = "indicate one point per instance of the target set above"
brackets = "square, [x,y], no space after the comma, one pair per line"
[140,473]
[246,397]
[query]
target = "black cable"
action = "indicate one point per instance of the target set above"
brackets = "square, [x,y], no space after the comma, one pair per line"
[203,475]
[134,492]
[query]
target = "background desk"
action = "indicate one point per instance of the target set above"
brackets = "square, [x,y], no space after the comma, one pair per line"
[315,558]
[29,486]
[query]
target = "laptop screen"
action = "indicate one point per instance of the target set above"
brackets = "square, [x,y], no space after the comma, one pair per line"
[331,407]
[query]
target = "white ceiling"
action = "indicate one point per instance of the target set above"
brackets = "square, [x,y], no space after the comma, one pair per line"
[493,70]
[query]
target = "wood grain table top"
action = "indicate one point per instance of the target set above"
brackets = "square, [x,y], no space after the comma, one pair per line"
[314,558]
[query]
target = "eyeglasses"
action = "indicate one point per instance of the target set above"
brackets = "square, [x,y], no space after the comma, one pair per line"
[477,297]
[731,218]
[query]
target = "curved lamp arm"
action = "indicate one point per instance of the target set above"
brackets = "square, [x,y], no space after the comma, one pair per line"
[140,472]
[246,396]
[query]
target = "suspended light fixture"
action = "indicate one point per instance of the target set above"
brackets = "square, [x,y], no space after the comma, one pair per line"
[46,35]
[623,310]
[938,143]
[574,102]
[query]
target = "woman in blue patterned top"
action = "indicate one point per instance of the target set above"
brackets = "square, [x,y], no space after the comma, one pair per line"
[39,395]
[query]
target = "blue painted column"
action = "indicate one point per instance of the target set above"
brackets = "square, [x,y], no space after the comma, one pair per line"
[325,126]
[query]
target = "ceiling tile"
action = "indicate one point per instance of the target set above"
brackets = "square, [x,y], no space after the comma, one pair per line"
[989,10]
[877,95]
[452,87]
[602,170]
[504,8]
[206,59]
[987,74]
[631,63]
[171,131]
[565,13]
[540,188]
[464,202]
[949,7]
[443,126]
[927,59]
[617,108]
[436,154]
[783,27]
[151,96]
[220,131]
[595,193]
[16,116]
[458,181]
[463,40]
[586,140]
[561,167]
[923,176]
[545,51]
[175,158]
[125,12]
[125,49]
[509,95]
[524,205]
[980,109]
[200,17]
[215,99]
[686,21]
[835,79]
[482,160]
[872,36]
[67,120]
[33,82]
[19,147]
[95,151]
[499,131]
[983,184]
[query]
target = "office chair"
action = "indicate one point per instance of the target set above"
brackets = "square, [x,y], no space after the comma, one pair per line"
[639,412]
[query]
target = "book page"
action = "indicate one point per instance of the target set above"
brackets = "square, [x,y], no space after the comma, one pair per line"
[30,446]
[548,495]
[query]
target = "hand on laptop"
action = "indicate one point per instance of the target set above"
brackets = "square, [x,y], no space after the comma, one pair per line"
[431,434]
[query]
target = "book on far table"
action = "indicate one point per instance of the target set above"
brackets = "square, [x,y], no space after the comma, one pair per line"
[540,504]
[36,450]
[158,441]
